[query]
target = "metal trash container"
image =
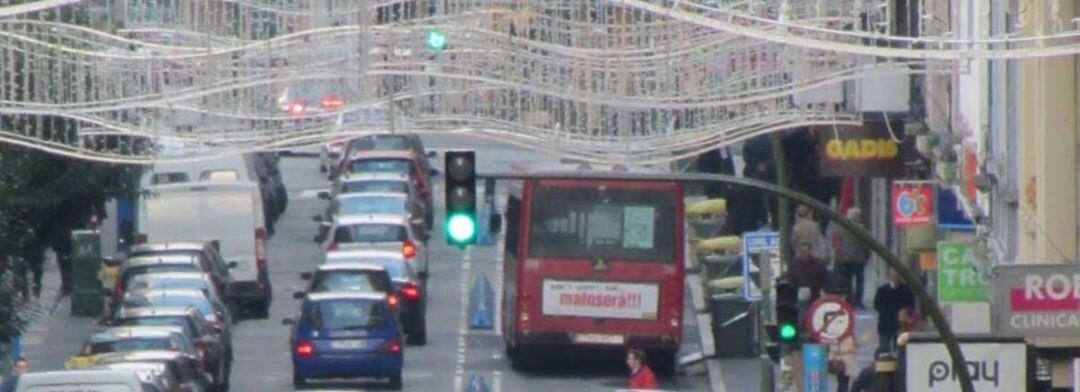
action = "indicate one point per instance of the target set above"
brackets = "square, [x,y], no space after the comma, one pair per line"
[734,326]
[87,295]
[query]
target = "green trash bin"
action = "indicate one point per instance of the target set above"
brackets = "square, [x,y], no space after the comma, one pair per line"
[87,295]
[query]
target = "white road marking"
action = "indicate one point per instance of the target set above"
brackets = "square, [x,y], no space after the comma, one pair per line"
[496,381]
[309,193]
[463,327]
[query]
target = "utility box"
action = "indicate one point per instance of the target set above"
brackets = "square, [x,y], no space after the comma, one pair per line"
[734,326]
[87,295]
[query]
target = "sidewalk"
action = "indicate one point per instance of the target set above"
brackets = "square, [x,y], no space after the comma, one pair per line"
[52,338]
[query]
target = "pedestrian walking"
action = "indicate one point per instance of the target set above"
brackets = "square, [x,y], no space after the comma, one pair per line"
[641,377]
[806,230]
[867,380]
[21,367]
[851,257]
[843,362]
[892,298]
[809,271]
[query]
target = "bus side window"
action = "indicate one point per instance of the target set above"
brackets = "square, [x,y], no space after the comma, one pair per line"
[513,222]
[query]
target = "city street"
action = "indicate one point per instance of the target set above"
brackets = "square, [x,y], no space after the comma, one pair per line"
[453,355]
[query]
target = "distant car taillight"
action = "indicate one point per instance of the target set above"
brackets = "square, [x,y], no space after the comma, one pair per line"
[331,102]
[260,249]
[392,347]
[392,301]
[305,349]
[410,291]
[408,249]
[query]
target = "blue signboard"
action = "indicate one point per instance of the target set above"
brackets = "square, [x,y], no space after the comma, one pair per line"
[753,243]
[815,371]
[950,214]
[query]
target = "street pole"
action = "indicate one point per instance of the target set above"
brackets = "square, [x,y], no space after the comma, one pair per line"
[929,305]
[783,214]
[767,316]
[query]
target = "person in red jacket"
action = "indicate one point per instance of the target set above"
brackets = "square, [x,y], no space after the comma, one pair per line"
[641,377]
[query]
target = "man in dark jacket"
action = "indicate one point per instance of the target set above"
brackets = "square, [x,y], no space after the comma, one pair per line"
[851,257]
[890,299]
[10,382]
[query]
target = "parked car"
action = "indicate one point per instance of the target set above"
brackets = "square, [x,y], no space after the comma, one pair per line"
[230,213]
[209,254]
[215,312]
[129,339]
[180,281]
[162,373]
[346,335]
[383,203]
[212,342]
[141,265]
[409,285]
[95,380]
[186,368]
[380,183]
[378,232]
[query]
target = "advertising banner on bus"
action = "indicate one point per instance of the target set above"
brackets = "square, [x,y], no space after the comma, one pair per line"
[600,299]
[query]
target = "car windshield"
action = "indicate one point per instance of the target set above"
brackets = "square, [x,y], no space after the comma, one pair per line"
[146,283]
[394,186]
[157,268]
[383,143]
[369,205]
[394,268]
[346,315]
[158,321]
[370,232]
[129,345]
[179,301]
[349,281]
[380,166]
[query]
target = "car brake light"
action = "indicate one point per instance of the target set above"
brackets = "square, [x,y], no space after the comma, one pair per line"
[392,300]
[260,249]
[332,102]
[297,108]
[305,349]
[410,292]
[392,347]
[408,249]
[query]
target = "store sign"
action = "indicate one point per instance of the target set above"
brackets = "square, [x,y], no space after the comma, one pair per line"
[912,203]
[600,299]
[958,281]
[753,243]
[993,366]
[869,150]
[1036,300]
[950,213]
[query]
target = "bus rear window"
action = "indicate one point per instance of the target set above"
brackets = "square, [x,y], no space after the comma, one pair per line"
[595,221]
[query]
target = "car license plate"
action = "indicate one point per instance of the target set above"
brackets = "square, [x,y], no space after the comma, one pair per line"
[594,338]
[355,344]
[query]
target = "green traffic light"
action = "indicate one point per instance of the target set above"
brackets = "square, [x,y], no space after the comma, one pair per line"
[788,332]
[436,40]
[461,228]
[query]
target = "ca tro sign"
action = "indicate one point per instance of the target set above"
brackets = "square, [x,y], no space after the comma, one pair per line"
[1036,300]
[994,366]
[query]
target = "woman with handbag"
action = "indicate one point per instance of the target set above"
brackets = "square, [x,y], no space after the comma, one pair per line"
[843,362]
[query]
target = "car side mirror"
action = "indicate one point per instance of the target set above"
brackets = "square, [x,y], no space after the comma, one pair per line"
[324,195]
[495,223]
[305,275]
[288,321]
[299,295]
[433,173]
[432,154]
[422,275]
[232,264]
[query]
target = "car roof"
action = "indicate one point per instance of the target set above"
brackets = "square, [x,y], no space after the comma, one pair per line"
[152,311]
[157,293]
[383,154]
[118,333]
[142,355]
[397,219]
[336,295]
[163,246]
[176,275]
[361,195]
[125,365]
[90,376]
[161,259]
[350,267]
[349,254]
[374,176]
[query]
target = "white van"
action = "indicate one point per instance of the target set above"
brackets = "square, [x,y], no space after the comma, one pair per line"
[231,213]
[90,380]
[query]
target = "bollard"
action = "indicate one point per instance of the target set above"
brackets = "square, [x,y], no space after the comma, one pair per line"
[477,384]
[481,302]
[885,367]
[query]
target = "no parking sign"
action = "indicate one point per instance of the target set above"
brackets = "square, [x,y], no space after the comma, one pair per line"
[830,319]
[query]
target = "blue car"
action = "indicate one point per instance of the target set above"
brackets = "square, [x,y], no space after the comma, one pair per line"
[346,335]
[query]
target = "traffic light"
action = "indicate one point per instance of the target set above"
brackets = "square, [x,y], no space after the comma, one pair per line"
[787,313]
[436,40]
[460,222]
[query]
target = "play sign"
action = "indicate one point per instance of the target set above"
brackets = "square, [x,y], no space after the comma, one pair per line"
[912,203]
[957,279]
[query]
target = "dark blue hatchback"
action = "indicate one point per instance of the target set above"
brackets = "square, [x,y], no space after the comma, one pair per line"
[346,335]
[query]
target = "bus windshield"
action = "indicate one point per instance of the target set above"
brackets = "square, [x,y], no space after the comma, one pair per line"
[590,222]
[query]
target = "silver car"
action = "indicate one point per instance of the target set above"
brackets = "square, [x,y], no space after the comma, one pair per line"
[378,232]
[83,380]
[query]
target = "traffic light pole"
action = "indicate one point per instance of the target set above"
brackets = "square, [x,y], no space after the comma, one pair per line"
[928,304]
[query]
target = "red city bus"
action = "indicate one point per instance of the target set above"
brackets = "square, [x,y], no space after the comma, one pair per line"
[592,264]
